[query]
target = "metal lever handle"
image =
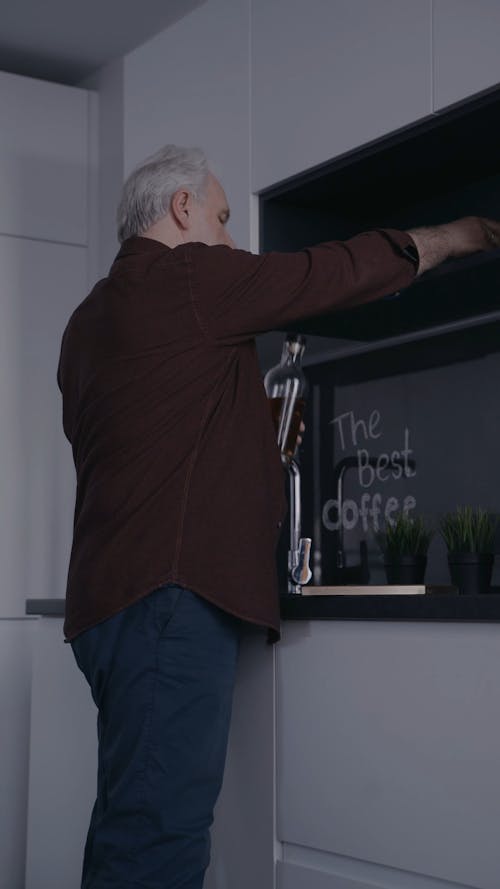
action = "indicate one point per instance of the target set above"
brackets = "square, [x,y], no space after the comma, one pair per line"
[301,572]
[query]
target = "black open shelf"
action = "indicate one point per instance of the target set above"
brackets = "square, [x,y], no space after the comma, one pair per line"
[446,166]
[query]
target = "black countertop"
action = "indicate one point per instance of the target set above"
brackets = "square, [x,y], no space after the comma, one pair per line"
[446,606]
[430,606]
[46,607]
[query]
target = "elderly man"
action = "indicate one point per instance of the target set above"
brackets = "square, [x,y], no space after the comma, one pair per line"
[180,491]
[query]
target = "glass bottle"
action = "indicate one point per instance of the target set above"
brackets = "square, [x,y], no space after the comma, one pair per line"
[286,388]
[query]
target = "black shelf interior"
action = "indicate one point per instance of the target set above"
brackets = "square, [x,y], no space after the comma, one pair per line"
[446,166]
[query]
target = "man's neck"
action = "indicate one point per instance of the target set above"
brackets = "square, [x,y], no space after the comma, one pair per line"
[166,232]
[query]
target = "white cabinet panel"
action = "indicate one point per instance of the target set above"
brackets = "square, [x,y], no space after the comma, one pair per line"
[63,763]
[243,833]
[40,285]
[466,37]
[43,160]
[388,745]
[327,77]
[15,688]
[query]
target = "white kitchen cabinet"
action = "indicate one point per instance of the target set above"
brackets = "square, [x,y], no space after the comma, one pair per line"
[63,763]
[466,35]
[243,835]
[328,77]
[43,160]
[369,757]
[387,752]
[40,285]
[16,638]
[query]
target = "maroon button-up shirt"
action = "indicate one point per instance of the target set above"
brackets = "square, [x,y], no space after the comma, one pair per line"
[178,472]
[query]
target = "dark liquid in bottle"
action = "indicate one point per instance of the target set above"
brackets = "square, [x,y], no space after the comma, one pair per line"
[290,444]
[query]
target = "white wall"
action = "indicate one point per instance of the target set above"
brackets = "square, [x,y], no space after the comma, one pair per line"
[106,169]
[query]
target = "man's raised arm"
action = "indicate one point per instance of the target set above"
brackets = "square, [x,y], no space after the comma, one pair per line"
[454,239]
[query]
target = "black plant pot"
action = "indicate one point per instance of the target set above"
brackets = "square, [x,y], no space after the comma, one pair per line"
[405,570]
[471,572]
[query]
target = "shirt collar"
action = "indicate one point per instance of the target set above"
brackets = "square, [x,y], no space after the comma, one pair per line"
[138,244]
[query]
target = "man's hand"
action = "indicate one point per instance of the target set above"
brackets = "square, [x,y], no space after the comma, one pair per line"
[454,239]
[302,429]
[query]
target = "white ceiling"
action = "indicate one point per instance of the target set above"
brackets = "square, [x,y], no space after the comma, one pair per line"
[65,41]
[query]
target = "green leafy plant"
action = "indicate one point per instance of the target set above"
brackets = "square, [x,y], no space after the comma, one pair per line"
[405,536]
[468,530]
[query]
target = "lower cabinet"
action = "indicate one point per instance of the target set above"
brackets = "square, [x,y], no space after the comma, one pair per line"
[63,763]
[41,283]
[243,837]
[16,638]
[361,754]
[388,755]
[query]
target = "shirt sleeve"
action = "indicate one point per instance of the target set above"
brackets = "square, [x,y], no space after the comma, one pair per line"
[237,294]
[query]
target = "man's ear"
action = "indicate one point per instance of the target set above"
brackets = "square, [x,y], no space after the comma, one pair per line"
[180,206]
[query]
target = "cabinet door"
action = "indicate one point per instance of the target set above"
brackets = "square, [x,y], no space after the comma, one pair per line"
[465,48]
[43,160]
[327,77]
[15,687]
[388,739]
[40,285]
[63,763]
[242,854]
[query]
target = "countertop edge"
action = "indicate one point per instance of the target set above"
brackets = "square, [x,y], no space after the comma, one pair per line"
[426,607]
[46,607]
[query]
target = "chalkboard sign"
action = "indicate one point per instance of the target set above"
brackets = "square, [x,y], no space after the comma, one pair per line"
[415,429]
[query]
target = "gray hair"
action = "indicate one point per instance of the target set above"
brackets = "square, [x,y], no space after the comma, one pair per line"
[150,187]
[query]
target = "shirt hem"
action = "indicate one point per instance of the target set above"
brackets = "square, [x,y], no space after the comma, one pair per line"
[273,629]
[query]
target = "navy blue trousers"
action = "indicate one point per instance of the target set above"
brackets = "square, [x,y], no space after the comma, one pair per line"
[161,673]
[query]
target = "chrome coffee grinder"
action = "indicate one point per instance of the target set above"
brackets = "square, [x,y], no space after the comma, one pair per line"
[286,388]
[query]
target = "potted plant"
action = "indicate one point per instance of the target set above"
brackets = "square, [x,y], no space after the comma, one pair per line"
[404,544]
[469,535]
